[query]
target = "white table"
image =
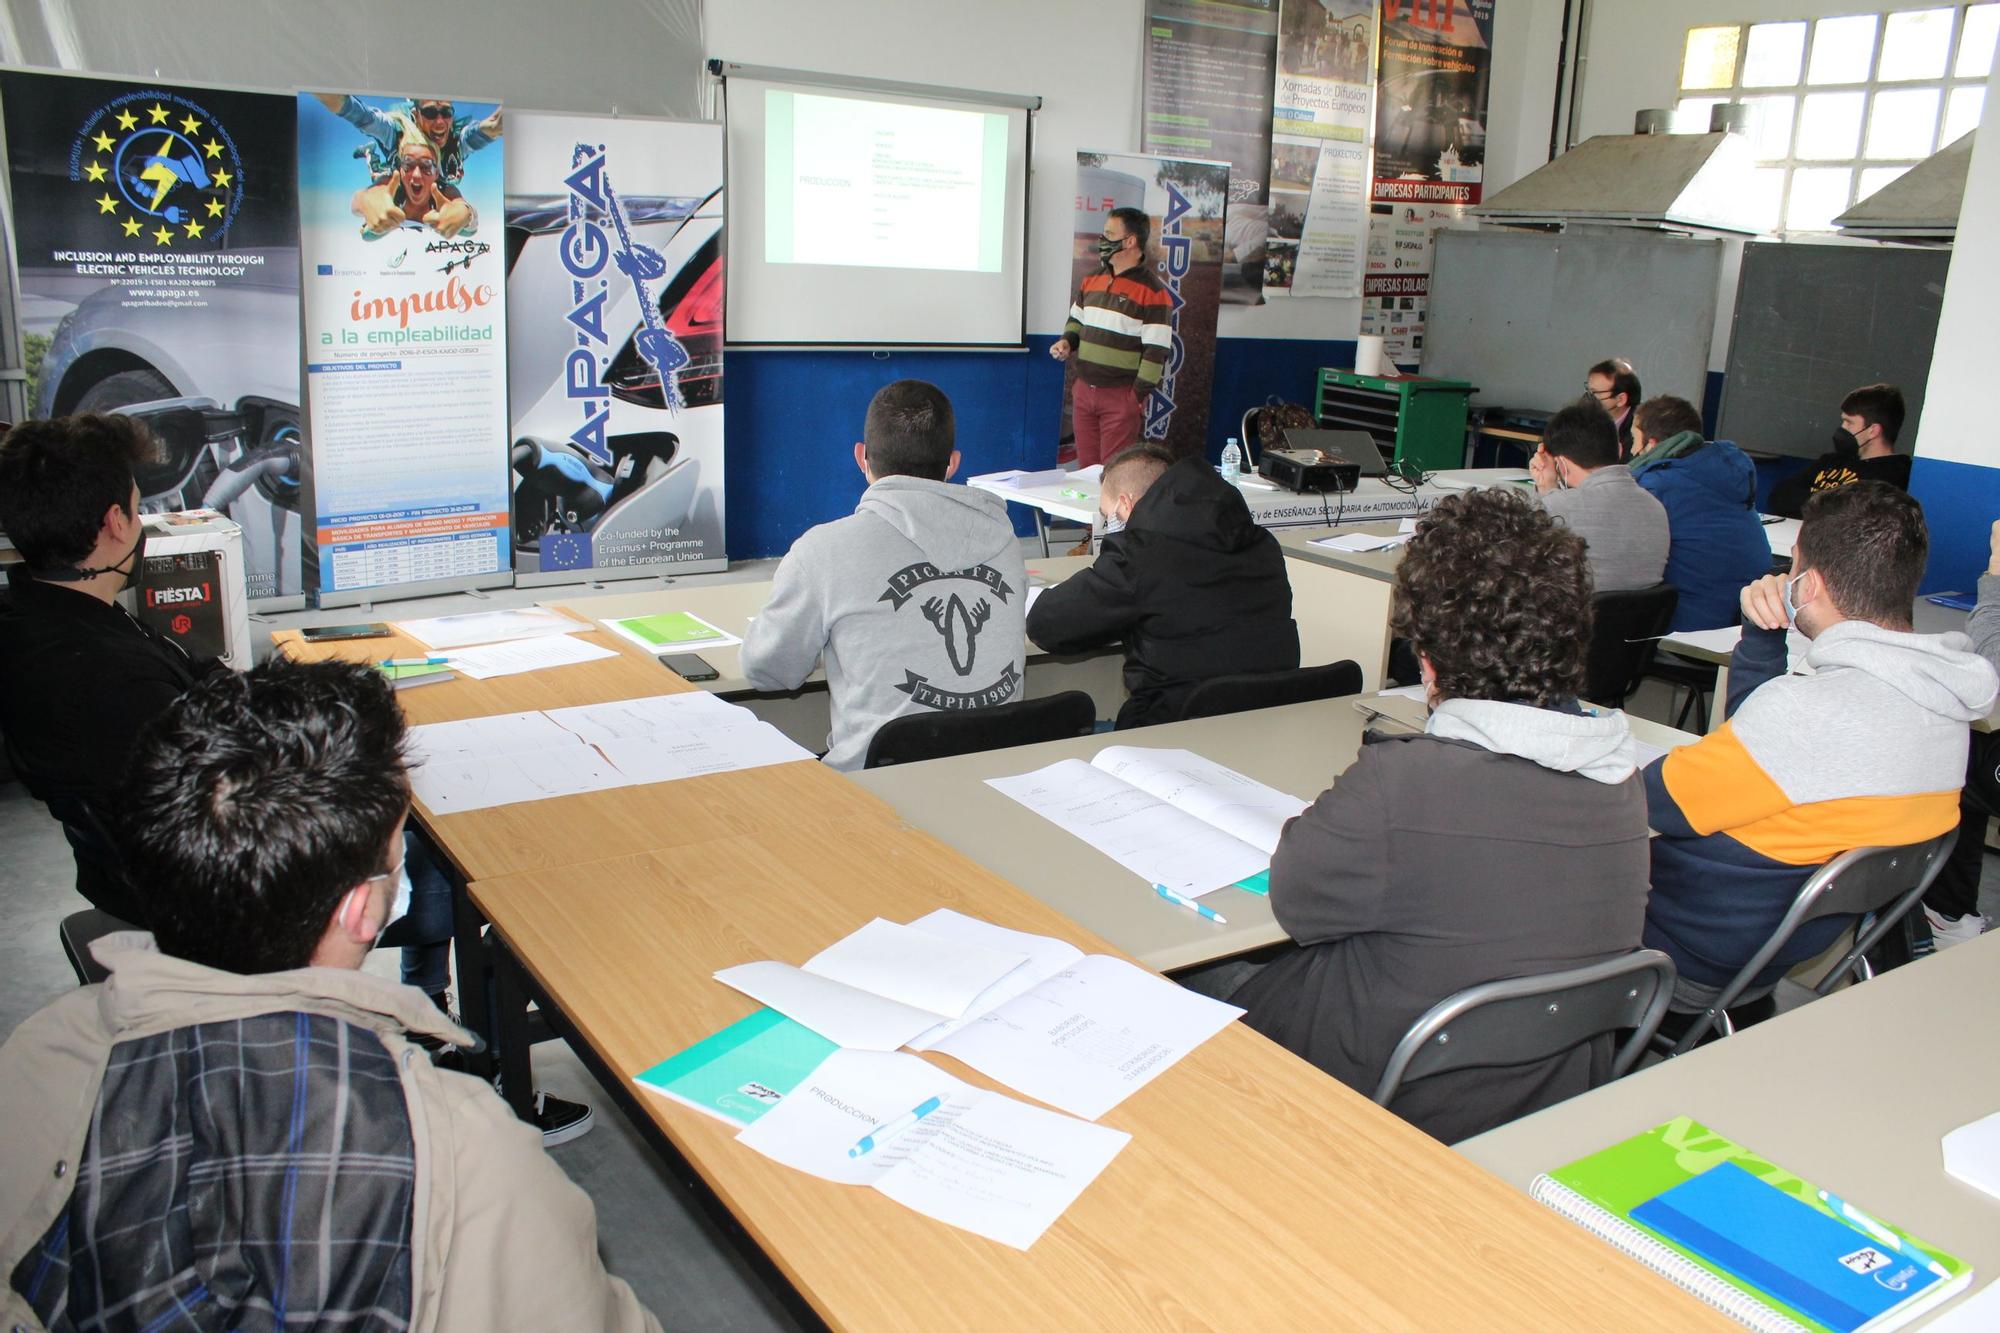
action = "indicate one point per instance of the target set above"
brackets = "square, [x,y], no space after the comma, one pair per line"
[1851,1092]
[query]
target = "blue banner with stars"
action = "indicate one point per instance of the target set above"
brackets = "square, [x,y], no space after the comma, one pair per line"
[156,235]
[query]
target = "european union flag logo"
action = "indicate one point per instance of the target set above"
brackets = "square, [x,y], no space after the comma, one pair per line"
[325,270]
[566,550]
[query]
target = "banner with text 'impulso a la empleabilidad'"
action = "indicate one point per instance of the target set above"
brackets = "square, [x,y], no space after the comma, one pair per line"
[403,232]
[614,353]
[156,237]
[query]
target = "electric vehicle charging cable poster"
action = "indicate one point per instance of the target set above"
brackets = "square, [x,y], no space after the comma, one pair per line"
[614,356]
[156,233]
[405,324]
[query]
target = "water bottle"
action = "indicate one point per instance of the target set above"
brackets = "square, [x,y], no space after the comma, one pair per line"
[1232,461]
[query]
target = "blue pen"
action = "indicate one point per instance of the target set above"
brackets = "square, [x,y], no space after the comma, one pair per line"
[415,661]
[888,1129]
[1181,899]
[1881,1234]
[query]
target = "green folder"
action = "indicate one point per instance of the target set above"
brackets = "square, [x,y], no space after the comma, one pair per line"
[671,628]
[743,1070]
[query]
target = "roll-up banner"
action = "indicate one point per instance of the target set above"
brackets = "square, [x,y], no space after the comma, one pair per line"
[156,235]
[614,351]
[402,215]
[1208,94]
[1319,148]
[1434,70]
[1185,200]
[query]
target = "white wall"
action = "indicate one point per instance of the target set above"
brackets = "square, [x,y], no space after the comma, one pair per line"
[1084,58]
[1957,424]
[641,56]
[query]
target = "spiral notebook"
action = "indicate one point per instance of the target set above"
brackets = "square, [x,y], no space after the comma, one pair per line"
[1750,1238]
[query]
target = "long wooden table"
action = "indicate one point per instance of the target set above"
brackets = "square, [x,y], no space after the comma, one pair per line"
[1255,1192]
[1851,1092]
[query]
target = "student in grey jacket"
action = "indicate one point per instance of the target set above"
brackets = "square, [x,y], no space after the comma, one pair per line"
[1581,482]
[915,600]
[1508,839]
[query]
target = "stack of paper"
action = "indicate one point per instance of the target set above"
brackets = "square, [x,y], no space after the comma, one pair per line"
[531,654]
[1169,816]
[514,757]
[1362,541]
[973,1159]
[447,632]
[671,632]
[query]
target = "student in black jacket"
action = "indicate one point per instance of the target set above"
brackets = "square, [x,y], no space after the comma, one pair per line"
[1864,449]
[1186,579]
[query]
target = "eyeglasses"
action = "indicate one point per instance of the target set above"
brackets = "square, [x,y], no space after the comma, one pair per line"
[1601,395]
[435,112]
[423,166]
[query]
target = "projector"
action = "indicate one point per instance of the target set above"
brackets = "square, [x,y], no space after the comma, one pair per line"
[1309,471]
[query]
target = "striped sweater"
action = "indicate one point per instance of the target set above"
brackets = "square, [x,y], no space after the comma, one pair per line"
[1121,328]
[1867,751]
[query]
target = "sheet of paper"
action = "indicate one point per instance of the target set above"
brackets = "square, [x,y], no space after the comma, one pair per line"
[453,786]
[1647,753]
[1359,541]
[841,1014]
[444,633]
[1977,1313]
[671,715]
[1091,1036]
[1134,828]
[671,632]
[1972,1153]
[1408,527]
[665,758]
[484,737]
[1222,797]
[1724,641]
[1046,956]
[927,971]
[982,1162]
[536,654]
[1417,692]
[1035,590]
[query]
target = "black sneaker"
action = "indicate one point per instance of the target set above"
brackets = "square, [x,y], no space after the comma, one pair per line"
[559,1120]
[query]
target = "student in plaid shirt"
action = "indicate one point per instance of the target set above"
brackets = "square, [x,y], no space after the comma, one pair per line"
[236,1130]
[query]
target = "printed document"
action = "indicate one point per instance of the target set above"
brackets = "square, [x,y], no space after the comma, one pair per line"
[536,654]
[1169,816]
[443,633]
[979,1161]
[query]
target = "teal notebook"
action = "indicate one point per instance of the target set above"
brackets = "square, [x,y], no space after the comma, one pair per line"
[743,1070]
[1749,1237]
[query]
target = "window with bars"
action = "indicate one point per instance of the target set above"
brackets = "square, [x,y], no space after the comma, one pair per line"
[1839,107]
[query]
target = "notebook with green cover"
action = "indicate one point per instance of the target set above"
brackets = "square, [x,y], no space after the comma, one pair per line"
[1749,1237]
[742,1071]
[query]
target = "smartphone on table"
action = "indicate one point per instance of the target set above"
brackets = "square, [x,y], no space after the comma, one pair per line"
[690,666]
[334,633]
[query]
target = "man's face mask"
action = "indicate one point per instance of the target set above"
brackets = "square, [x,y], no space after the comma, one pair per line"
[127,566]
[399,907]
[1108,246]
[1786,594]
[1109,524]
[1844,441]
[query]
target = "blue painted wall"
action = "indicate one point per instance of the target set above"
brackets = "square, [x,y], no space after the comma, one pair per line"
[794,417]
[1960,502]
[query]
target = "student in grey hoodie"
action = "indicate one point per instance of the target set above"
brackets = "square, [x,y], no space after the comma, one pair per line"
[915,600]
[1508,839]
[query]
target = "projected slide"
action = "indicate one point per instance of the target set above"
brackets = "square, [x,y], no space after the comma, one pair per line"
[883,184]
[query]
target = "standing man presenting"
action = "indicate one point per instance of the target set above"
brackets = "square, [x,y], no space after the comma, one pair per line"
[1119,334]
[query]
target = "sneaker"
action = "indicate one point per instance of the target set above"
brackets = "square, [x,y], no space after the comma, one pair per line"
[559,1120]
[1950,930]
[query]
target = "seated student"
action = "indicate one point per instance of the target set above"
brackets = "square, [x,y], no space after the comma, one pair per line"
[1581,482]
[1186,579]
[915,600]
[78,676]
[1506,840]
[1867,751]
[239,1084]
[1952,904]
[1615,386]
[1864,449]
[1709,489]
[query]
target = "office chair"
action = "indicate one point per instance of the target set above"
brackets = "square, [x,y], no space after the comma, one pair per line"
[1270,689]
[937,735]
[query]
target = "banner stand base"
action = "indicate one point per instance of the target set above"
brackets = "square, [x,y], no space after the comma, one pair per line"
[403,592]
[623,573]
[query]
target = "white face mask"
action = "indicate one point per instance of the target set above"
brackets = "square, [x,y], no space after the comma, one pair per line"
[1108,524]
[399,906]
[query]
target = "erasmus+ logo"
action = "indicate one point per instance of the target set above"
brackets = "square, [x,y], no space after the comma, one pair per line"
[160,168]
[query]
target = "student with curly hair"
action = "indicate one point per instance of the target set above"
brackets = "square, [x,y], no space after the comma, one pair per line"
[1509,838]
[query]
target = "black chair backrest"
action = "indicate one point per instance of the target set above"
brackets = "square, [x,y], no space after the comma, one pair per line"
[1523,1019]
[77,931]
[1270,689]
[1626,631]
[937,735]
[1880,885]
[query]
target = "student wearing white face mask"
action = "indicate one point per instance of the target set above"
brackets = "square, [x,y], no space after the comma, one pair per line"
[1186,580]
[1583,485]
[1867,751]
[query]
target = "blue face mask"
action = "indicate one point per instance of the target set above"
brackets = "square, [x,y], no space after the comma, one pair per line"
[1785,596]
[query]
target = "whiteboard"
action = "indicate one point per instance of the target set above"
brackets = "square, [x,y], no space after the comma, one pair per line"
[1524,315]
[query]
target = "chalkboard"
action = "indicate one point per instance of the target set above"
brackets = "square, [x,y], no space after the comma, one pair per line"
[1524,315]
[1815,321]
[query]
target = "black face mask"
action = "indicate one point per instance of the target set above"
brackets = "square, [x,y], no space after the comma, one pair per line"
[1845,444]
[128,566]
